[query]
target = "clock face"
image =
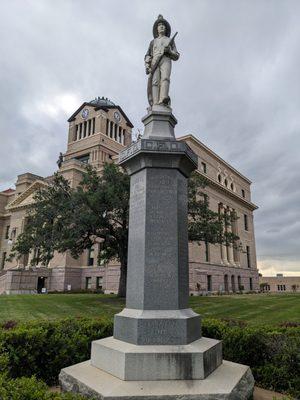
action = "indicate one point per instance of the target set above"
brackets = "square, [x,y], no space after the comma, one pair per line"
[117,116]
[85,113]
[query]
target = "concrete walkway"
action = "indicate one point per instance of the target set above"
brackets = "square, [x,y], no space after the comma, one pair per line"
[262,394]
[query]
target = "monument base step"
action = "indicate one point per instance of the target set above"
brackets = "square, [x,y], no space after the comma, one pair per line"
[230,381]
[150,363]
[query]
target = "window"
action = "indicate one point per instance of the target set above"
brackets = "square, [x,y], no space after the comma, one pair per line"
[93,125]
[76,132]
[281,288]
[246,222]
[248,256]
[250,284]
[99,282]
[90,261]
[206,251]
[239,283]
[13,233]
[88,283]
[231,186]
[233,283]
[226,283]
[84,159]
[209,283]
[110,129]
[226,182]
[3,260]
[243,193]
[203,167]
[219,178]
[7,232]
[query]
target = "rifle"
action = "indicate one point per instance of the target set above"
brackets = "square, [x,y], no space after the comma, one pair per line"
[153,69]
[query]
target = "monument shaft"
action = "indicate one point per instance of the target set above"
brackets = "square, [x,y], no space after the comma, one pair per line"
[157,282]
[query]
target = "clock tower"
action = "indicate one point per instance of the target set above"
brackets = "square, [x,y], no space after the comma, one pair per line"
[98,131]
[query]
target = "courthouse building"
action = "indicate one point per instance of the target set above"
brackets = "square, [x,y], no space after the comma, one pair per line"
[98,131]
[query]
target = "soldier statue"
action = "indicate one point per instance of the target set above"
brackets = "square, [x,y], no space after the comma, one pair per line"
[158,62]
[60,160]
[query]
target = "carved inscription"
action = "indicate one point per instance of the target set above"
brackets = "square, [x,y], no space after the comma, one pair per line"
[166,146]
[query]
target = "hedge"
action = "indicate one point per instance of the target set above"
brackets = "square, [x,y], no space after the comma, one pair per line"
[273,353]
[30,389]
[43,349]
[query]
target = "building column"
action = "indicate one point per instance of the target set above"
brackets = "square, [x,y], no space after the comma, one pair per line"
[97,123]
[230,246]
[96,253]
[223,246]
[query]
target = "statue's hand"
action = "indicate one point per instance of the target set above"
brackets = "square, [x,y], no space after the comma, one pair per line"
[167,50]
[148,70]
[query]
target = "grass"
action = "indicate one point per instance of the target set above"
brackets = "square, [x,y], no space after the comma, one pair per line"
[260,309]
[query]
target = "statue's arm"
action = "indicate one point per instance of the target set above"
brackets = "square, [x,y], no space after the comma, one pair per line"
[173,53]
[148,58]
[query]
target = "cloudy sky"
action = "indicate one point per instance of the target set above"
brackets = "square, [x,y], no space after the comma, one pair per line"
[236,87]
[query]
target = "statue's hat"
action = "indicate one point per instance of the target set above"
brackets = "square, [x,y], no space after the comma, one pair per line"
[160,19]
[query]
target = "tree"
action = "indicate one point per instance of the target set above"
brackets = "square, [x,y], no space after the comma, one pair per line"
[205,225]
[44,222]
[100,213]
[97,211]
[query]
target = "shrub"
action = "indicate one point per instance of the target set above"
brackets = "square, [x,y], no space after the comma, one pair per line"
[272,353]
[43,349]
[30,389]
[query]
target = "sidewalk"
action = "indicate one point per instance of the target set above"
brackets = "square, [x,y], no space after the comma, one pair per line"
[262,394]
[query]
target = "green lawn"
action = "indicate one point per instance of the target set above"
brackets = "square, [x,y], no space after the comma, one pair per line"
[254,309]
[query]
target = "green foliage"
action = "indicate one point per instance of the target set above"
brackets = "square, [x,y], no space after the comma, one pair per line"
[204,224]
[43,349]
[62,218]
[30,389]
[100,213]
[272,353]
[45,222]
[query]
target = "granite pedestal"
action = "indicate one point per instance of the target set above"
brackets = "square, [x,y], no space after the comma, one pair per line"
[157,351]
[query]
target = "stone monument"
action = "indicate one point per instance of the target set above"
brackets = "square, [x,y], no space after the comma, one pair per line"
[157,351]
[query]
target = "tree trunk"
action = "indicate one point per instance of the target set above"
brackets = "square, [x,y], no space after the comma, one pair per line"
[123,279]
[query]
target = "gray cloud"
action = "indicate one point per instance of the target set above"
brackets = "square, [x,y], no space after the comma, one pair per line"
[236,87]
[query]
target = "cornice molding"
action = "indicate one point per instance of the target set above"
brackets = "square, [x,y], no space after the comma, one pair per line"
[15,204]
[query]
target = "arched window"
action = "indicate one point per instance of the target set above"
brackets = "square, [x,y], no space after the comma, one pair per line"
[219,178]
[233,283]
[226,182]
[231,186]
[226,288]
[239,283]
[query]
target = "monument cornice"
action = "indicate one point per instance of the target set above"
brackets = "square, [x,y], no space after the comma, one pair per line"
[158,146]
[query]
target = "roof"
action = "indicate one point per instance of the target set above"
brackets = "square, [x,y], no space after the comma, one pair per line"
[197,141]
[8,191]
[101,103]
[26,197]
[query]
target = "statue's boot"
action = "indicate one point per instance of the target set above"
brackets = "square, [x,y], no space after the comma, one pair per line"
[164,92]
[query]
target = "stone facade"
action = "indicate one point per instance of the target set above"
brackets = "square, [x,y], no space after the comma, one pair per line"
[280,284]
[98,131]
